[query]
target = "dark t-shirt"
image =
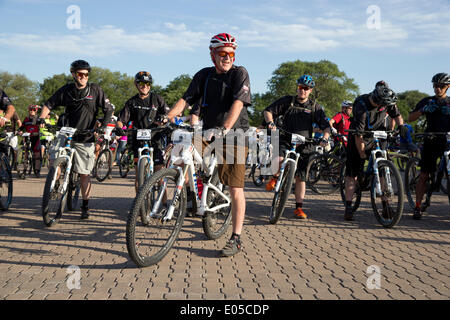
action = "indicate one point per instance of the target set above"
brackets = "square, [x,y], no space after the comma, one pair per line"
[297,117]
[439,120]
[82,107]
[366,117]
[4,101]
[217,93]
[143,112]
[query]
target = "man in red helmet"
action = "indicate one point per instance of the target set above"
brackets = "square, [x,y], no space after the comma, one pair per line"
[224,91]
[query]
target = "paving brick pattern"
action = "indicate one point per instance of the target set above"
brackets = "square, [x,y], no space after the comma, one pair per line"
[323,257]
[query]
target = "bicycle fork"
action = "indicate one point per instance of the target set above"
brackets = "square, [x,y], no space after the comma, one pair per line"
[387,176]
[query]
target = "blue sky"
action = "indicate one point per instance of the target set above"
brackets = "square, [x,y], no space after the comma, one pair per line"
[169,38]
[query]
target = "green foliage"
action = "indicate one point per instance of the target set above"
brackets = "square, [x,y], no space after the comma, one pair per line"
[175,89]
[20,90]
[407,102]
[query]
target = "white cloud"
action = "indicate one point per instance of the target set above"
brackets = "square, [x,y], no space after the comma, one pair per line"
[108,40]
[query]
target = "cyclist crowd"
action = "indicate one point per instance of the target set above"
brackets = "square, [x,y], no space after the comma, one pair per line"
[220,96]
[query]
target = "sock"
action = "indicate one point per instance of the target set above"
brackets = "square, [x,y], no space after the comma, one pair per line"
[348,203]
[85,203]
[418,204]
[298,205]
[236,237]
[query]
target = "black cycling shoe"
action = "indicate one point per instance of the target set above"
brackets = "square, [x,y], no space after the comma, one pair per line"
[417,215]
[348,215]
[232,247]
[84,213]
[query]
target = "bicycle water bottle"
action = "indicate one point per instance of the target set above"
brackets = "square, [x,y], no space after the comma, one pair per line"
[200,187]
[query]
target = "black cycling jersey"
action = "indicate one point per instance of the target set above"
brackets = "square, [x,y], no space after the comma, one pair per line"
[439,120]
[4,101]
[82,107]
[367,117]
[299,117]
[143,111]
[217,93]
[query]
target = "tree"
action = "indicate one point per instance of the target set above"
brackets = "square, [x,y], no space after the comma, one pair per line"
[332,85]
[176,88]
[21,90]
[407,102]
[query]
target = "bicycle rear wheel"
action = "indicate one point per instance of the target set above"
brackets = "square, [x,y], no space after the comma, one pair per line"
[124,164]
[215,224]
[6,183]
[412,172]
[103,165]
[388,205]
[148,243]
[323,173]
[280,198]
[54,199]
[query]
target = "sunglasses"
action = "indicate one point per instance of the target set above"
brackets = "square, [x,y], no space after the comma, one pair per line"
[303,88]
[440,86]
[34,109]
[223,54]
[144,84]
[83,74]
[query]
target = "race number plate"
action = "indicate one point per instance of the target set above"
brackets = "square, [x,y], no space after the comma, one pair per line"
[144,134]
[68,131]
[297,139]
[380,134]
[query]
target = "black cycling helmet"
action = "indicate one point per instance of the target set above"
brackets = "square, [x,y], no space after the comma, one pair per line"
[143,76]
[80,65]
[383,96]
[441,78]
[381,83]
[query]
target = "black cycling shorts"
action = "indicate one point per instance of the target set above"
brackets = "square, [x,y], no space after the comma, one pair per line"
[432,150]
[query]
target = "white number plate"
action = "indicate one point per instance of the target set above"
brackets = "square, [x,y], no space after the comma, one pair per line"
[144,134]
[68,131]
[298,139]
[380,134]
[182,136]
[26,134]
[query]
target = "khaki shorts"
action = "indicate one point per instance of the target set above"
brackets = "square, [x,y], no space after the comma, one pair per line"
[232,174]
[84,157]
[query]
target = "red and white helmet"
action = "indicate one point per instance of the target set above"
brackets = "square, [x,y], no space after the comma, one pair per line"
[222,40]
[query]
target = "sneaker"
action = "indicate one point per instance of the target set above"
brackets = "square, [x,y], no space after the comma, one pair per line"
[298,213]
[417,215]
[232,247]
[84,213]
[348,215]
[271,184]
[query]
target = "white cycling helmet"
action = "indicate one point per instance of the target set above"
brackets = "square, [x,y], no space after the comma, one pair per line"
[347,104]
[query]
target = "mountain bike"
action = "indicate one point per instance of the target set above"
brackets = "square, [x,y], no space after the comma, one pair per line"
[151,239]
[259,171]
[439,180]
[28,160]
[103,163]
[382,178]
[283,187]
[126,161]
[62,185]
[6,179]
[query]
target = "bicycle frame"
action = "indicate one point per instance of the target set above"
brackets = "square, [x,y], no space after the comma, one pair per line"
[189,158]
[376,156]
[68,154]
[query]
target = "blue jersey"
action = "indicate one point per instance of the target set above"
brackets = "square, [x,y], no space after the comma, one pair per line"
[408,136]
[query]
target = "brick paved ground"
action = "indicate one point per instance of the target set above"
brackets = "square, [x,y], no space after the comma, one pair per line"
[321,258]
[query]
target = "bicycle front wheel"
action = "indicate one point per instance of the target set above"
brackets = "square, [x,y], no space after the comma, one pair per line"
[6,183]
[73,193]
[258,178]
[103,165]
[54,199]
[280,198]
[412,172]
[148,243]
[323,173]
[387,205]
[215,224]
